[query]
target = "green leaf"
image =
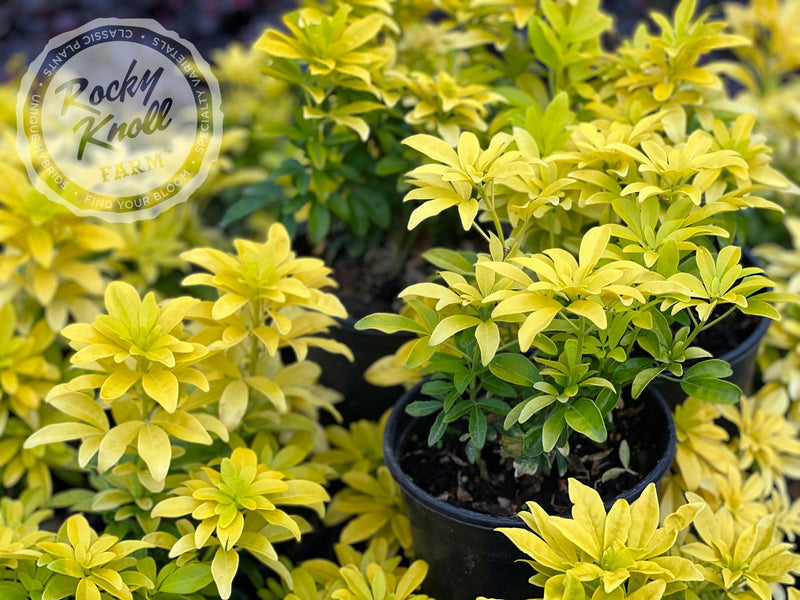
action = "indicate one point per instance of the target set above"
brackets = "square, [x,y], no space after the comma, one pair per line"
[554,426]
[606,400]
[378,209]
[498,387]
[584,417]
[451,260]
[389,323]
[391,165]
[59,586]
[187,579]
[668,258]
[253,198]
[495,405]
[359,216]
[643,378]
[713,390]
[544,43]
[340,207]
[477,427]
[319,222]
[437,388]
[458,410]
[70,498]
[437,430]
[534,404]
[708,369]
[423,408]
[515,368]
[12,591]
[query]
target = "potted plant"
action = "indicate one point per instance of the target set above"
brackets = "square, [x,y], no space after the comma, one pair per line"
[608,229]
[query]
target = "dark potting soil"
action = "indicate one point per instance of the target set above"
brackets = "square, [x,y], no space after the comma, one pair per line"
[444,471]
[728,334]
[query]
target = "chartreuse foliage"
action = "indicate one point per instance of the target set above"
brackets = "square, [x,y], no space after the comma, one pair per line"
[25,372]
[87,564]
[740,562]
[49,262]
[165,388]
[622,553]
[269,299]
[142,358]
[375,574]
[233,506]
[608,213]
[607,185]
[630,552]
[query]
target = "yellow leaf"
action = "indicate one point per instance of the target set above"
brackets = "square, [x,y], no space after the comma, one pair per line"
[59,432]
[270,389]
[173,508]
[227,305]
[229,535]
[258,544]
[364,526]
[223,569]
[535,547]
[429,209]
[182,425]
[534,324]
[162,386]
[588,514]
[487,335]
[411,579]
[88,449]
[269,337]
[45,284]
[644,518]
[79,405]
[593,245]
[154,448]
[87,590]
[115,443]
[451,325]
[617,523]
[591,310]
[123,302]
[40,244]
[233,403]
[94,352]
[281,519]
[433,147]
[173,312]
[118,383]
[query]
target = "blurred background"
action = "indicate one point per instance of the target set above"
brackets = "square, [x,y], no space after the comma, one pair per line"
[27,25]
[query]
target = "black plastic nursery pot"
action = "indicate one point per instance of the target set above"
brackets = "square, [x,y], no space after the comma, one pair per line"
[467,558]
[362,400]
